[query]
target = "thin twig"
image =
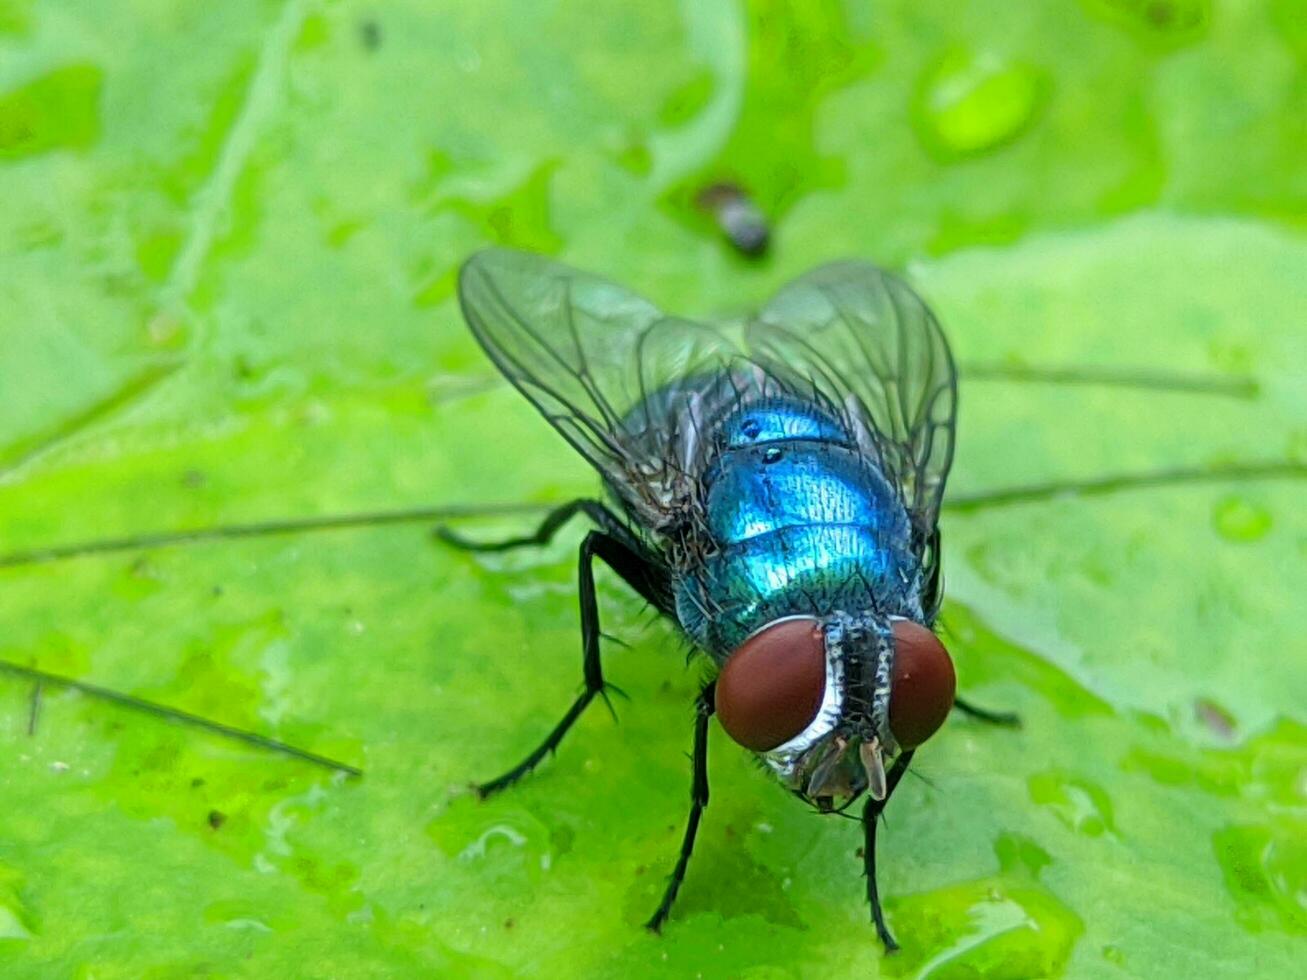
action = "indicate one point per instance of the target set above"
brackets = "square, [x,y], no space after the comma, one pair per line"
[1229,386]
[34,707]
[178,715]
[259,529]
[1099,486]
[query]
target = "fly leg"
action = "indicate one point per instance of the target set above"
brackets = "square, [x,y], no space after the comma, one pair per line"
[703,709]
[553,522]
[1009,719]
[639,570]
[870,818]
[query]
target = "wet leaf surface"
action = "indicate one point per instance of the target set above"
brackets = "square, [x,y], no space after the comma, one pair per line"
[228,236]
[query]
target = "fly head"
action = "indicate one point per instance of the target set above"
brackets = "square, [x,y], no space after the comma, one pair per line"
[829,702]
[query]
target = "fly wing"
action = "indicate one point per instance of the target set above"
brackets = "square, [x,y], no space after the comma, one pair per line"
[589,355]
[870,345]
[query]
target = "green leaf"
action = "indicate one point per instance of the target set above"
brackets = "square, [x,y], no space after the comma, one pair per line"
[228,237]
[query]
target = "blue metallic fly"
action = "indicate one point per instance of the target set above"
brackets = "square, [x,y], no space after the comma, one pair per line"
[776,496]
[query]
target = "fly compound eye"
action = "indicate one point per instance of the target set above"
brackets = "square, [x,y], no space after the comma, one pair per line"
[923,686]
[772,686]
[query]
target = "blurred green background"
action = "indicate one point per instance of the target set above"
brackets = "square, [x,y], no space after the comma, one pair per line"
[228,240]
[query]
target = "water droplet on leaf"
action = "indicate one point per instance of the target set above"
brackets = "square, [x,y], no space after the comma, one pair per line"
[58,111]
[1164,23]
[1265,869]
[1239,519]
[1078,803]
[986,928]
[969,103]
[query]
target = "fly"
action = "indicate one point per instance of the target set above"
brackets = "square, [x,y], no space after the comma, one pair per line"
[776,497]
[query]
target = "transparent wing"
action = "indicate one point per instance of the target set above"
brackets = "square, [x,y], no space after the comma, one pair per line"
[869,344]
[607,368]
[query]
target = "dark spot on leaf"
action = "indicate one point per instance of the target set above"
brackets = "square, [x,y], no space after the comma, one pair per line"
[1160,13]
[1215,718]
[370,35]
[57,111]
[737,217]
[217,818]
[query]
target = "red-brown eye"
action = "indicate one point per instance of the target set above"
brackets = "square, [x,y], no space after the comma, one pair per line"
[772,686]
[923,686]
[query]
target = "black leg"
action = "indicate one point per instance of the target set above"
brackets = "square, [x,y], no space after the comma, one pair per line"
[870,818]
[644,572]
[1008,718]
[641,574]
[554,520]
[704,708]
